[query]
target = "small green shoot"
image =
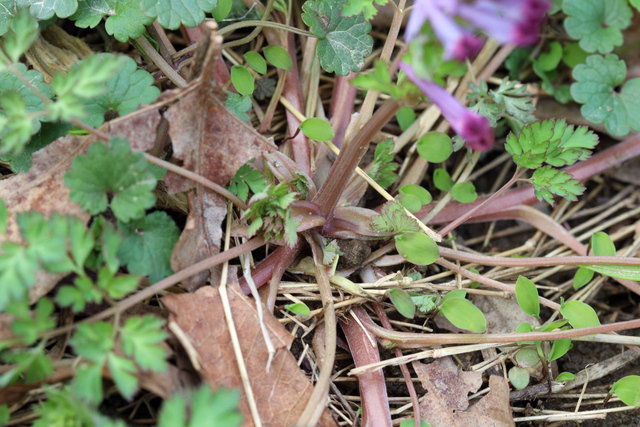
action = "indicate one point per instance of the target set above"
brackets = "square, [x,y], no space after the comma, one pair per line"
[579,314]
[299,309]
[256,61]
[602,245]
[247,178]
[463,314]
[565,376]
[383,166]
[628,390]
[527,296]
[269,213]
[278,57]
[417,248]
[242,80]
[582,277]
[403,302]
[559,348]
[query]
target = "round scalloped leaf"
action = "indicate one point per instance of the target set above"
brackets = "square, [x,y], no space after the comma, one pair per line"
[172,13]
[125,18]
[45,9]
[598,24]
[112,174]
[417,248]
[435,147]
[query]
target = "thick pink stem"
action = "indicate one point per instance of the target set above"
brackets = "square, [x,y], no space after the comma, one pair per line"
[364,350]
[341,108]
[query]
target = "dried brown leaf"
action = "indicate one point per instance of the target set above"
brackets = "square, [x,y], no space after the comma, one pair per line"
[448,388]
[281,394]
[493,410]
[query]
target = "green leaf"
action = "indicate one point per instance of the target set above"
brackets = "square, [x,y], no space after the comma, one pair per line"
[125,20]
[364,7]
[239,105]
[28,325]
[548,181]
[402,302]
[559,349]
[123,373]
[21,107]
[527,296]
[119,286]
[425,303]
[4,216]
[435,147]
[579,314]
[628,390]
[17,273]
[411,422]
[113,169]
[410,202]
[405,117]
[595,88]
[256,61]
[379,80]
[247,178]
[458,293]
[383,166]
[207,408]
[298,308]
[278,57]
[549,60]
[574,55]
[47,240]
[141,338]
[87,382]
[30,365]
[527,358]
[344,41]
[147,246]
[222,10]
[173,13]
[417,248]
[463,314]
[49,132]
[317,129]
[393,219]
[464,192]
[242,80]
[79,295]
[551,142]
[269,213]
[6,16]
[582,277]
[4,415]
[598,24]
[126,90]
[22,32]
[419,192]
[628,272]
[565,376]
[602,245]
[45,9]
[442,180]
[519,377]
[93,341]
[61,408]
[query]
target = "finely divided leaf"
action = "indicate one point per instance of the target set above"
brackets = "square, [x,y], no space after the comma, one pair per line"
[240,105]
[247,178]
[147,245]
[126,90]
[141,338]
[598,24]
[125,21]
[382,167]
[595,88]
[344,41]
[113,175]
[393,219]
[173,13]
[548,181]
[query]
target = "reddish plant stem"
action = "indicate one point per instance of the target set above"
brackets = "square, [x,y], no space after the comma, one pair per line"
[413,339]
[293,93]
[349,157]
[288,255]
[364,350]
[582,171]
[341,108]
[382,315]
[262,272]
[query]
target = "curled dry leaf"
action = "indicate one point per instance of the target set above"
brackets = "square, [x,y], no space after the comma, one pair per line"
[280,394]
[448,388]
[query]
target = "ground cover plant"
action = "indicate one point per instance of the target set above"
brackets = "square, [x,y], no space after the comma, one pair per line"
[304,213]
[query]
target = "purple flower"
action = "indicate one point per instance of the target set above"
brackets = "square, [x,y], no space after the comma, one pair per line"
[459,43]
[474,128]
[506,21]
